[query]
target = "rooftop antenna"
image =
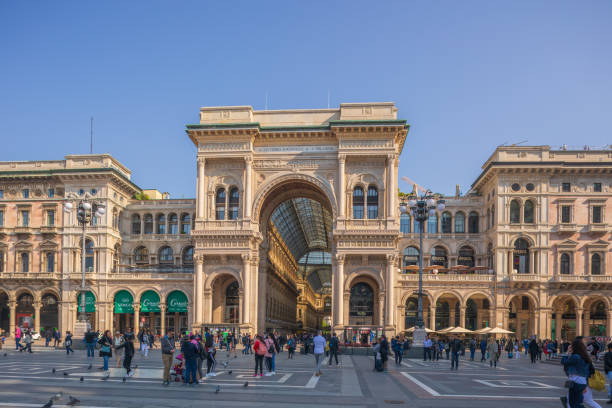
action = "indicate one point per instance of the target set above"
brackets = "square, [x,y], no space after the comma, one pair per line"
[91,135]
[266,108]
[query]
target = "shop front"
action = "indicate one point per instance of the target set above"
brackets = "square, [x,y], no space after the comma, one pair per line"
[150,312]
[90,308]
[123,317]
[176,311]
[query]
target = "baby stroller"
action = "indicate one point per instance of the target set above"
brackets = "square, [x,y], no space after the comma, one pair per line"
[177,372]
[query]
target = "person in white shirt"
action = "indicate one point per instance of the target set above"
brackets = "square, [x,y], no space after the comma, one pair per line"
[427,348]
[319,352]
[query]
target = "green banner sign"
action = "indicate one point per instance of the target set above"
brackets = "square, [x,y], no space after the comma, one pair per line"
[124,302]
[149,302]
[177,302]
[90,302]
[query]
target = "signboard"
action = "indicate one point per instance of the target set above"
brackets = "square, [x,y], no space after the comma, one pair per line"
[90,302]
[177,302]
[124,302]
[149,302]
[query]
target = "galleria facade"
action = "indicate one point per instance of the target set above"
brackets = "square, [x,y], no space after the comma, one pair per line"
[296,225]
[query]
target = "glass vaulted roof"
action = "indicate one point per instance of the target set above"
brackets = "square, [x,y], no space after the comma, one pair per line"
[316,266]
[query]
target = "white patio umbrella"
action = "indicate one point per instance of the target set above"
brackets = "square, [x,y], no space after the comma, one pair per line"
[411,329]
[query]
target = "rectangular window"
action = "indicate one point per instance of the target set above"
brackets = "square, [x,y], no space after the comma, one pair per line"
[1,218]
[597,218]
[50,262]
[1,193]
[597,187]
[51,193]
[566,187]
[26,193]
[25,218]
[51,217]
[566,211]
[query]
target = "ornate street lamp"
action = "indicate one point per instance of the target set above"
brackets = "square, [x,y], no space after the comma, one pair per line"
[421,208]
[86,209]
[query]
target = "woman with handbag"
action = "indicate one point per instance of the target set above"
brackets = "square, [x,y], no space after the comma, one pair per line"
[576,364]
[106,342]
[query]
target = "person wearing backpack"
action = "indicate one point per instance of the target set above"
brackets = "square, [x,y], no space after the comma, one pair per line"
[333,348]
[68,343]
[260,353]
[211,362]
[106,343]
[90,342]
[290,347]
[270,353]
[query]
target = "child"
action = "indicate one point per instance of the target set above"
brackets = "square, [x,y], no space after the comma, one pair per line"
[178,368]
[68,343]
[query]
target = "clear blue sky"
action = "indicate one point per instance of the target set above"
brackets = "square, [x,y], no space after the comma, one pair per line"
[467,75]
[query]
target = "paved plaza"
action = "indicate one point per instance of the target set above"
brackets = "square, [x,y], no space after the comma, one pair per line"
[27,380]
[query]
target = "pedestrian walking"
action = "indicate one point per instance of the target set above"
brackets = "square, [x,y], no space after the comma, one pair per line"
[291,347]
[576,365]
[57,337]
[211,361]
[190,355]
[270,353]
[456,347]
[472,349]
[90,343]
[167,350]
[27,338]
[68,343]
[128,353]
[398,347]
[145,343]
[492,352]
[106,344]
[117,341]
[17,337]
[427,344]
[319,350]
[533,350]
[47,337]
[483,350]
[333,348]
[260,352]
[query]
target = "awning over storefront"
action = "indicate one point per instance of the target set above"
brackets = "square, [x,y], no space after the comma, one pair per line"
[149,302]
[123,302]
[90,302]
[177,302]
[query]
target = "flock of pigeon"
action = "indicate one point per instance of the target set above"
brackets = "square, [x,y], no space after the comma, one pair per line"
[73,401]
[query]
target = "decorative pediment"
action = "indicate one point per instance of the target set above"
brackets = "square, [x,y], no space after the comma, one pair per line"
[567,244]
[23,245]
[599,244]
[48,245]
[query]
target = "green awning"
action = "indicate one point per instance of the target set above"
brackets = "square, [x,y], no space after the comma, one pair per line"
[177,302]
[90,302]
[124,302]
[149,302]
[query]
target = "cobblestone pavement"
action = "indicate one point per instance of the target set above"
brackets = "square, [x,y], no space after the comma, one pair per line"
[27,380]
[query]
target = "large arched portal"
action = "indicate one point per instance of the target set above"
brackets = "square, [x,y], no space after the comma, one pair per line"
[296,225]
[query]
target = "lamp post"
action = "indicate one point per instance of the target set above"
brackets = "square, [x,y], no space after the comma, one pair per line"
[86,209]
[421,208]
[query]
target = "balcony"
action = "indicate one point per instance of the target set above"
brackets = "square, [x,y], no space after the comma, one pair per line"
[484,276]
[365,224]
[22,230]
[567,227]
[29,275]
[524,277]
[48,229]
[153,269]
[598,228]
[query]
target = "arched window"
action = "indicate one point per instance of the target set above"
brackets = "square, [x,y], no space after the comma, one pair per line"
[358,202]
[565,264]
[473,222]
[50,261]
[161,224]
[372,202]
[25,262]
[2,255]
[492,216]
[438,257]
[432,224]
[141,255]
[405,223]
[361,304]
[417,226]
[173,224]
[411,257]
[520,262]
[466,256]
[515,212]
[148,224]
[232,301]
[459,223]
[471,315]
[234,202]
[528,212]
[188,256]
[442,315]
[220,204]
[447,222]
[411,312]
[116,257]
[115,219]
[185,223]
[135,224]
[89,255]
[595,264]
[166,255]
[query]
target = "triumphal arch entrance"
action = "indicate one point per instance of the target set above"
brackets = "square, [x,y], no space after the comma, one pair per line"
[297,218]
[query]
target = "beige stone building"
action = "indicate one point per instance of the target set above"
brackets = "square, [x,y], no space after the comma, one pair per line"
[296,226]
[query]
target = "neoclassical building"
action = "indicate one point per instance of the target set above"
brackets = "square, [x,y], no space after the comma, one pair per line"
[296,225]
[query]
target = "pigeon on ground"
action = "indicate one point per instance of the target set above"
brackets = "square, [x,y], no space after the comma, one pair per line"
[123,379]
[5,354]
[81,379]
[106,377]
[65,374]
[53,370]
[49,404]
[73,401]
[217,389]
[246,384]
[225,363]
[89,367]
[57,396]
[235,356]
[230,372]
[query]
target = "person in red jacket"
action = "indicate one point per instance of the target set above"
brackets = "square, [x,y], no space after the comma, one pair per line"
[260,352]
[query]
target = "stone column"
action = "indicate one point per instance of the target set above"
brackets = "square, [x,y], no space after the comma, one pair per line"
[609,324]
[432,318]
[578,321]
[199,291]
[163,319]
[390,281]
[462,316]
[381,309]
[247,186]
[586,323]
[241,305]
[338,297]
[531,262]
[37,307]
[136,317]
[341,187]
[391,189]
[510,262]
[246,282]
[208,309]
[558,323]
[201,189]
[492,317]
[12,317]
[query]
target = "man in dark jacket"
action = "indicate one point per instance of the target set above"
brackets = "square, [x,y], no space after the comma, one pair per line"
[333,348]
[455,349]
[384,350]
[167,349]
[533,350]
[128,345]
[190,354]
[90,342]
[483,350]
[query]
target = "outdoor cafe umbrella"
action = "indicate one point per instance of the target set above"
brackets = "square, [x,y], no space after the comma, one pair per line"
[411,329]
[499,330]
[459,330]
[412,268]
[446,330]
[484,330]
